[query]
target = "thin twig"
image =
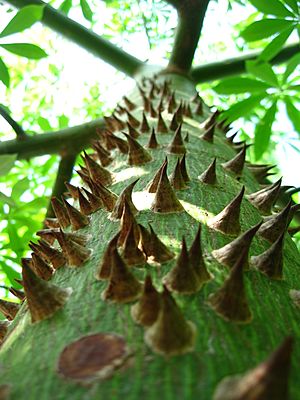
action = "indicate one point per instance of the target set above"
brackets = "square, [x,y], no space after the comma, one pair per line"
[21,134]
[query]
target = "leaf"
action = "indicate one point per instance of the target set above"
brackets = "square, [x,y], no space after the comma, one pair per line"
[7,161]
[24,19]
[25,50]
[4,74]
[263,131]
[63,121]
[262,71]
[242,108]
[65,6]
[9,272]
[240,85]
[293,113]
[274,47]
[7,200]
[44,124]
[86,10]
[290,67]
[19,188]
[265,28]
[273,7]
[293,4]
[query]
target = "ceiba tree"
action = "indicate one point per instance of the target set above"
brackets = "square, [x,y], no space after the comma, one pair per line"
[167,272]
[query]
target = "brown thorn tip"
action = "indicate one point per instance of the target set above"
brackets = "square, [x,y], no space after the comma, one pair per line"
[9,309]
[177,145]
[236,164]
[269,380]
[131,253]
[264,199]
[230,300]
[104,269]
[152,186]
[153,247]
[274,226]
[176,178]
[40,267]
[146,310]
[171,333]
[228,254]
[97,173]
[123,287]
[43,298]
[144,125]
[107,197]
[184,170]
[270,262]
[78,220]
[196,259]
[137,155]
[84,204]
[126,194]
[183,278]
[75,253]
[132,131]
[228,220]
[208,135]
[60,212]
[152,143]
[165,200]
[161,125]
[209,175]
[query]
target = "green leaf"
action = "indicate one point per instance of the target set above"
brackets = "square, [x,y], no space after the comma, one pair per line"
[265,28]
[86,10]
[65,6]
[7,200]
[240,85]
[290,67]
[242,108]
[293,4]
[273,7]
[63,121]
[4,74]
[44,124]
[293,113]
[274,47]
[262,71]
[25,50]
[9,272]
[19,188]
[7,161]
[24,19]
[263,131]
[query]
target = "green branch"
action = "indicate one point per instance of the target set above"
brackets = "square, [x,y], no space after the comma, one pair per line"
[84,37]
[66,141]
[21,135]
[236,66]
[190,21]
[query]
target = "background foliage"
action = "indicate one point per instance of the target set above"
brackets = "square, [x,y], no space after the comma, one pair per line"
[47,83]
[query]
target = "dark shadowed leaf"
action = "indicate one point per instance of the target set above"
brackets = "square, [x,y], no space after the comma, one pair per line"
[290,67]
[240,85]
[243,108]
[263,131]
[273,7]
[262,71]
[293,4]
[24,19]
[25,50]
[265,28]
[7,161]
[4,74]
[276,45]
[293,113]
[86,10]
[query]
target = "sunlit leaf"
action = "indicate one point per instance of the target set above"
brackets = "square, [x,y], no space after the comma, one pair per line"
[44,123]
[242,108]
[240,85]
[290,67]
[4,74]
[293,4]
[293,113]
[24,19]
[65,6]
[274,47]
[263,131]
[273,7]
[9,272]
[86,10]
[262,71]
[7,161]
[19,188]
[25,50]
[265,28]
[7,200]
[63,121]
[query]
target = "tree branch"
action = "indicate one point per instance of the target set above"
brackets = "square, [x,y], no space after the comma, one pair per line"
[65,141]
[64,174]
[236,66]
[21,135]
[84,37]
[191,14]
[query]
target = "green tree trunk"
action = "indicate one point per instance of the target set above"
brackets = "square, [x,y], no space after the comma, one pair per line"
[30,352]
